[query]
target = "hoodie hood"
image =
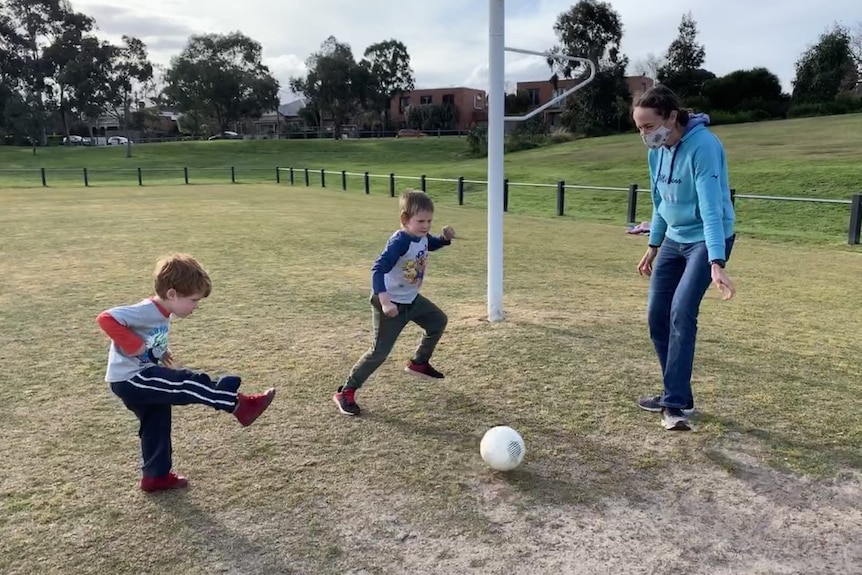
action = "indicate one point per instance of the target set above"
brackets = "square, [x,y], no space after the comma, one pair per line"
[695,121]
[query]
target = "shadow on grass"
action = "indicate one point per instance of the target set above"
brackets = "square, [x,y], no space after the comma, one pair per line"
[251,545]
[822,457]
[561,467]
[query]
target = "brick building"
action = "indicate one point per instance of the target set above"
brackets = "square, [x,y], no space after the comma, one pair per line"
[472,104]
[541,91]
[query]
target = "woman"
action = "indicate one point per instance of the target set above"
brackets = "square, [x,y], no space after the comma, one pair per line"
[690,240]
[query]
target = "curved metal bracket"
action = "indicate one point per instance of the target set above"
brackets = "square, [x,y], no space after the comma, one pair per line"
[556,99]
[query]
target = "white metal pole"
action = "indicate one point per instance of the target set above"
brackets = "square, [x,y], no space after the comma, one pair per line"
[496,103]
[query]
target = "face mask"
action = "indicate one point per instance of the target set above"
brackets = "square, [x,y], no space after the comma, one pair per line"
[657,137]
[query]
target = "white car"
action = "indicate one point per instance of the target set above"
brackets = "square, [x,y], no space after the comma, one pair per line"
[118,140]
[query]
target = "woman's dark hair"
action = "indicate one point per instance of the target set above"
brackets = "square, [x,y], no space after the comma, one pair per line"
[664,101]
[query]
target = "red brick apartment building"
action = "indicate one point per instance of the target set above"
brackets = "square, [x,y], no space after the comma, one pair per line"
[472,104]
[542,91]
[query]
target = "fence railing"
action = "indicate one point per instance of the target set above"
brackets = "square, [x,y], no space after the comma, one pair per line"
[854,230]
[854,234]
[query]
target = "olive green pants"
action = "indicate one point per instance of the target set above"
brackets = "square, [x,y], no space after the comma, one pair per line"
[387,329]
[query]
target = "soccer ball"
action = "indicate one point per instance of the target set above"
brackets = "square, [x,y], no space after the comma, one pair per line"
[502,448]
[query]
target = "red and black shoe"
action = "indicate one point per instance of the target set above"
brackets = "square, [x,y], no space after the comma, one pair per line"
[249,407]
[423,370]
[152,484]
[346,402]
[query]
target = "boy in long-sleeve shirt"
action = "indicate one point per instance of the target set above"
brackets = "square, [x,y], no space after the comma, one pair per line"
[140,367]
[396,278]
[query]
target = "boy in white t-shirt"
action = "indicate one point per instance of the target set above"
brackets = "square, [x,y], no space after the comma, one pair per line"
[141,370]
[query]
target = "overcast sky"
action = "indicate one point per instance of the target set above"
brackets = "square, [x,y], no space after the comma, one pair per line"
[447,39]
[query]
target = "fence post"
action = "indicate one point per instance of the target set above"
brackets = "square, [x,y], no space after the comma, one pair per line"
[733,196]
[633,203]
[460,190]
[506,195]
[232,175]
[277,175]
[290,171]
[392,185]
[306,177]
[323,178]
[422,184]
[186,174]
[855,231]
[44,179]
[367,184]
[344,180]
[140,178]
[86,179]
[561,197]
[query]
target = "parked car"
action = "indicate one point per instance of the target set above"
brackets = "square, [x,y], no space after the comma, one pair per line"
[409,133]
[118,141]
[73,141]
[226,135]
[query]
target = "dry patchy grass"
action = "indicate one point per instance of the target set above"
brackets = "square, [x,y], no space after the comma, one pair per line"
[768,482]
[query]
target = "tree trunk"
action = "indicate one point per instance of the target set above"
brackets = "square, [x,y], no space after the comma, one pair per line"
[126,112]
[64,117]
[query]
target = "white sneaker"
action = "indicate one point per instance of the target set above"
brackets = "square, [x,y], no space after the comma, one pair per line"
[651,403]
[673,419]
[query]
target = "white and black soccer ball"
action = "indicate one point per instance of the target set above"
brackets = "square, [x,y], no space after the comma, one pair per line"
[502,448]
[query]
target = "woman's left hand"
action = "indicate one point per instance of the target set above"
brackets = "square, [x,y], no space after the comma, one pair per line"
[722,282]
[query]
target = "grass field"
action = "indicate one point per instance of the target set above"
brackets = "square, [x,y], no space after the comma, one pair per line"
[769,482]
[812,158]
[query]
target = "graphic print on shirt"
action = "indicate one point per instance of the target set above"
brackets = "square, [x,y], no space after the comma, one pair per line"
[414,270]
[157,340]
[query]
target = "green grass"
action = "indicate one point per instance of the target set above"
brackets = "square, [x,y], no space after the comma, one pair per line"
[306,490]
[810,158]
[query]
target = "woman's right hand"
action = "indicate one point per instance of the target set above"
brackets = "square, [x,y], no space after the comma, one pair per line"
[645,265]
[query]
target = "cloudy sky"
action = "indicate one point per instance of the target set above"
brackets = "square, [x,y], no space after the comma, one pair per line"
[447,39]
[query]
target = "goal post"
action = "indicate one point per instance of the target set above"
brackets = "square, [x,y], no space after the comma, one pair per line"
[496,137]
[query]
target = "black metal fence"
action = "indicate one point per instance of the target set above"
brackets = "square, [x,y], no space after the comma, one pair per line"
[302,176]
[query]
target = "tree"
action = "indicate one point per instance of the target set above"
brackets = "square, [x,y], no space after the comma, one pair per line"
[517,104]
[28,27]
[592,29]
[432,117]
[683,71]
[130,70]
[11,63]
[222,77]
[649,66]
[856,47]
[391,75]
[10,71]
[67,59]
[826,68]
[335,84]
[747,90]
[85,80]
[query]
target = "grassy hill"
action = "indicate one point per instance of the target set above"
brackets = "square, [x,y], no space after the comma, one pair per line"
[812,157]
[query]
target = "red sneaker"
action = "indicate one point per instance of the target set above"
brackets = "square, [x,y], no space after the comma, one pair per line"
[249,407]
[163,483]
[423,370]
[345,399]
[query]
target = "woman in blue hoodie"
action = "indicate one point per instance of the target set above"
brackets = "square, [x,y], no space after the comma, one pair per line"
[691,237]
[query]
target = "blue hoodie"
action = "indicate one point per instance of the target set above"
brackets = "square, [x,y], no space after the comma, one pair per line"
[690,190]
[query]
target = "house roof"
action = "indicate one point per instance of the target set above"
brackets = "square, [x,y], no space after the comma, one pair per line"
[291,109]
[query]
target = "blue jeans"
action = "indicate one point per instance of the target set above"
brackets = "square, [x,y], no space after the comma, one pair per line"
[680,277]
